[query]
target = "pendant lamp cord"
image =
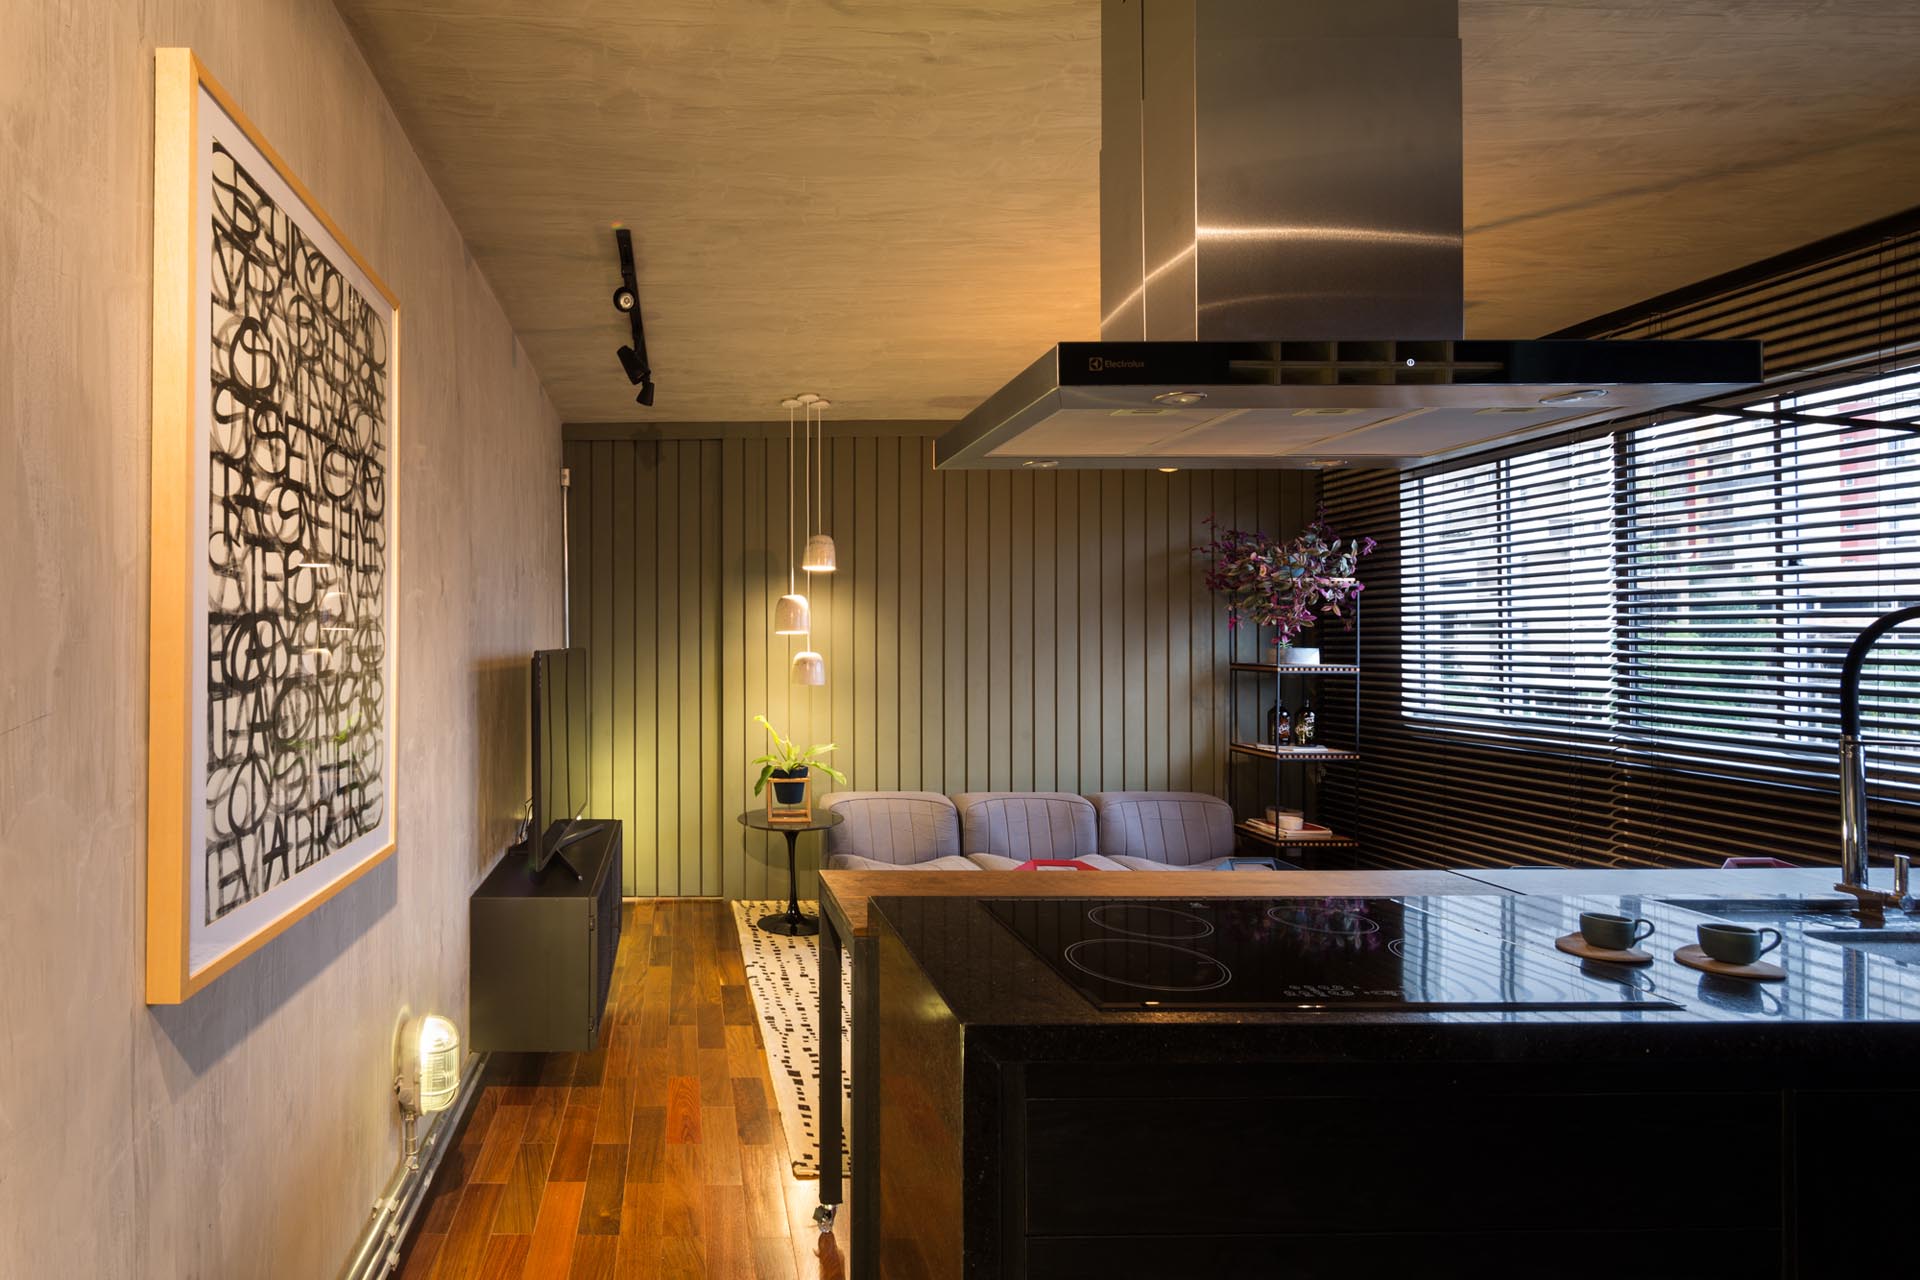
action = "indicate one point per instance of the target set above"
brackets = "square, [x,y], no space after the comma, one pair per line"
[789,501]
[806,490]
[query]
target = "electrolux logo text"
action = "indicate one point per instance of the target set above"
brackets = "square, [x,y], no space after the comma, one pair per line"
[1099,364]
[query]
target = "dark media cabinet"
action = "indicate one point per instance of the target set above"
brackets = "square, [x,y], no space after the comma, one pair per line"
[541,951]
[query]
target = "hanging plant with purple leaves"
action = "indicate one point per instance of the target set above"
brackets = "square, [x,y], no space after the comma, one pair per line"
[1289,586]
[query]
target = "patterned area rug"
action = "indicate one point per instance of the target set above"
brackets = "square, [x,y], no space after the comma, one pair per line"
[784,976]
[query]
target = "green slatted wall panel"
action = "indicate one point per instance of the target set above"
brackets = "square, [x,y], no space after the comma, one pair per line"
[1032,630]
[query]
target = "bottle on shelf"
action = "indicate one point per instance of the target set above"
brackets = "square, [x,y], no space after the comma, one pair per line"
[1303,724]
[1279,726]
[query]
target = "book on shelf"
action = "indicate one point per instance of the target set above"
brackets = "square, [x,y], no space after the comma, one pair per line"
[1260,826]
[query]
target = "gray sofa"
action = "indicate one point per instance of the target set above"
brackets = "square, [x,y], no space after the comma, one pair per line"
[893,831]
[1164,830]
[999,830]
[1002,829]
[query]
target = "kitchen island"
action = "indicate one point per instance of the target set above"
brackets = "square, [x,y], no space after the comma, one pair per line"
[1475,1103]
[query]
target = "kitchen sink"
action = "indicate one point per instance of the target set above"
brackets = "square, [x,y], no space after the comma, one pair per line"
[1768,910]
[1902,945]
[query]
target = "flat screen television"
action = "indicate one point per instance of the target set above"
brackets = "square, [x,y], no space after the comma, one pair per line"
[562,755]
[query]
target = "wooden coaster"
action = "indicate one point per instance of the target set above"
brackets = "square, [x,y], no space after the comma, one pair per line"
[1694,958]
[1575,945]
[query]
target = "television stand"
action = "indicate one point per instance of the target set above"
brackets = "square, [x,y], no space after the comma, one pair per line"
[542,946]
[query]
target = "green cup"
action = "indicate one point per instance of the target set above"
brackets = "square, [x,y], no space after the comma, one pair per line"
[1735,943]
[1610,932]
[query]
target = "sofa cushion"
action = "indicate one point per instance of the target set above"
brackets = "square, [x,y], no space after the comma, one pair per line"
[893,828]
[1148,864]
[996,862]
[854,862]
[1170,828]
[1026,824]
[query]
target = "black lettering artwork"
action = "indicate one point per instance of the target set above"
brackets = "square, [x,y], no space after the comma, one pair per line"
[296,548]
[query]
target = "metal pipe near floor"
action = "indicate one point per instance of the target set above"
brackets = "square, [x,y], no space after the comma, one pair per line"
[376,1253]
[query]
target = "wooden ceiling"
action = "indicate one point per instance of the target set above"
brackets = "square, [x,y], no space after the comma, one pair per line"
[895,203]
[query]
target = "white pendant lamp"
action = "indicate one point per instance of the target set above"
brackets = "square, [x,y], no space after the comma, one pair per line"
[809,668]
[820,555]
[791,617]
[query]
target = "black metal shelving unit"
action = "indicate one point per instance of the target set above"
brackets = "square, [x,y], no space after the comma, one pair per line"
[1260,774]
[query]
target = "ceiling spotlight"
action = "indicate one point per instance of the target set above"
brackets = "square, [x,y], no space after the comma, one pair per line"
[646,395]
[1167,471]
[635,364]
[625,299]
[1041,464]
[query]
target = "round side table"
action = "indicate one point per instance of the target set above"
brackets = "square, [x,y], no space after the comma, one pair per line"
[790,923]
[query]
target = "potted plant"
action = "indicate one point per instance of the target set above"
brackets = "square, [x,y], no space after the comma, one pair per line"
[787,761]
[1289,586]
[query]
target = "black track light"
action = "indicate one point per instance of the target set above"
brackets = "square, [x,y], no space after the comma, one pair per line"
[626,300]
[636,366]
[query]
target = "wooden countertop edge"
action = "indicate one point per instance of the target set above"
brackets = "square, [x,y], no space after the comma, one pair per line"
[850,891]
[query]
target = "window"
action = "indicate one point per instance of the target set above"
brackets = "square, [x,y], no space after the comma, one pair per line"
[1510,568]
[1685,589]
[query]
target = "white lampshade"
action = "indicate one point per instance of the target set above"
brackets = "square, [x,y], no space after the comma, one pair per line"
[809,668]
[791,617]
[820,556]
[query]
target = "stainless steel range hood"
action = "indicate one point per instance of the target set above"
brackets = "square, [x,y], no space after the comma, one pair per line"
[1280,262]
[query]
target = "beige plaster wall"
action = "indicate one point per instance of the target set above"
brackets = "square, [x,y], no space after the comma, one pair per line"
[245,1133]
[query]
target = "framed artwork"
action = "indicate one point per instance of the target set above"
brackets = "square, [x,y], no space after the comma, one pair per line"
[271,744]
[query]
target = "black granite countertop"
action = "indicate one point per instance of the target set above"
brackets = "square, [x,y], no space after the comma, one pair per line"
[1836,1000]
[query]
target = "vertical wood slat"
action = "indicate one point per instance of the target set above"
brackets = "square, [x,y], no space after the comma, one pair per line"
[712,567]
[641,831]
[1000,620]
[1087,776]
[734,716]
[979,627]
[907,518]
[757,618]
[1066,632]
[626,659]
[1180,688]
[666,549]
[599,636]
[879,719]
[1041,538]
[1045,631]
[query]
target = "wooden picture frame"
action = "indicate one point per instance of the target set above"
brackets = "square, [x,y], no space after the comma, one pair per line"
[273,631]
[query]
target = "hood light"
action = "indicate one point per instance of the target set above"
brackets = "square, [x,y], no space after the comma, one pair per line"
[1574,397]
[1041,464]
[1180,397]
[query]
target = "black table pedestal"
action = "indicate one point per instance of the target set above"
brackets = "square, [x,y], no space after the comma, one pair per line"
[790,923]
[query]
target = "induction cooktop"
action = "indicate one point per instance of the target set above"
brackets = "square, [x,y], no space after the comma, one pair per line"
[1404,955]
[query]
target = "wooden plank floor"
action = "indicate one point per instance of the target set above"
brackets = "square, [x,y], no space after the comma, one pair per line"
[659,1154]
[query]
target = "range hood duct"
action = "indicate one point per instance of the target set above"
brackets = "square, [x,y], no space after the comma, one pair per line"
[1280,262]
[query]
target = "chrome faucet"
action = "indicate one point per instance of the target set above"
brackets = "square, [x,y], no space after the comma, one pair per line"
[1853,781]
